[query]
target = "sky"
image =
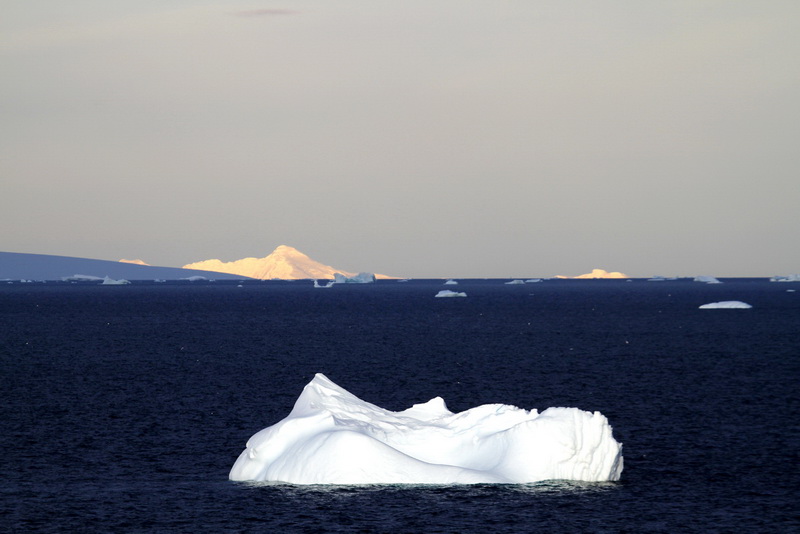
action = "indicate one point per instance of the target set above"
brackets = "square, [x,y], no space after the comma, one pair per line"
[420,138]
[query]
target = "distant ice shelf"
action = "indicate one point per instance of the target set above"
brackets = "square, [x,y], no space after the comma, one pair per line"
[333,437]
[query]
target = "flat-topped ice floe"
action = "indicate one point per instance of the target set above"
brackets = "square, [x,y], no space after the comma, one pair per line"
[448,293]
[333,437]
[726,304]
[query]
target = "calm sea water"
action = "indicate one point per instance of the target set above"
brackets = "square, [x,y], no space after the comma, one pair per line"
[125,407]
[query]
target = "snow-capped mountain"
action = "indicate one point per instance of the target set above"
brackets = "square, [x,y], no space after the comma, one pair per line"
[598,273]
[284,262]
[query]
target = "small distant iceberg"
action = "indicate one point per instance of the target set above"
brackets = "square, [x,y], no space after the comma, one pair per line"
[515,283]
[108,281]
[448,293]
[660,279]
[726,305]
[82,278]
[451,282]
[788,278]
[328,284]
[707,280]
[533,280]
[195,278]
[360,278]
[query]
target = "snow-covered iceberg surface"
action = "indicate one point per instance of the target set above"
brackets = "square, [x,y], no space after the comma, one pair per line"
[448,293]
[515,283]
[726,304]
[360,278]
[333,437]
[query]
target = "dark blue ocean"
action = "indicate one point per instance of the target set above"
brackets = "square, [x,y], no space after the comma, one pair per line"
[124,407]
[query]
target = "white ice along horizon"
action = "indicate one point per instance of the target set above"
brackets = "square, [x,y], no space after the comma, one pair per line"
[333,437]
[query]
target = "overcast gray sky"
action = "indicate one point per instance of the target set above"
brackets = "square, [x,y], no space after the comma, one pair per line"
[412,138]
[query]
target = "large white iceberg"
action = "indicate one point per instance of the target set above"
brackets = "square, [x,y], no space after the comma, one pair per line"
[333,437]
[726,304]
